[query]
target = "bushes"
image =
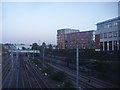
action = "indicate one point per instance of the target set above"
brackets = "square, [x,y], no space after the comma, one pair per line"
[58,76]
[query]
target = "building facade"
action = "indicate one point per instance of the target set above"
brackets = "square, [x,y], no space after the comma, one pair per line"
[83,40]
[20,46]
[62,35]
[70,39]
[108,35]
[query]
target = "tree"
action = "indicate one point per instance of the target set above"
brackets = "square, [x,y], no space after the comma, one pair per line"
[23,48]
[50,47]
[44,44]
[2,48]
[35,46]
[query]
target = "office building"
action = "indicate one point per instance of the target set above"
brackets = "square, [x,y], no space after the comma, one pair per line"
[70,39]
[108,35]
[83,40]
[61,36]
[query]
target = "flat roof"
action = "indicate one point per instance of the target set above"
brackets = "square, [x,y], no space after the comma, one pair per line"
[113,19]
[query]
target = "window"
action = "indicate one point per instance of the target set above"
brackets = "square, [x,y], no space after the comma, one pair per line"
[115,23]
[118,22]
[105,46]
[109,25]
[118,33]
[105,35]
[110,45]
[110,34]
[115,45]
[106,26]
[119,44]
[101,36]
[115,33]
[100,27]
[101,46]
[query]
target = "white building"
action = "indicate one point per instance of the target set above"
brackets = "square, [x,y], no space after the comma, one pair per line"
[20,46]
[109,34]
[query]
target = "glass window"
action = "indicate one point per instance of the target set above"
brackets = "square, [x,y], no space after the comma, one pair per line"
[119,44]
[119,33]
[110,45]
[115,45]
[105,35]
[101,46]
[115,33]
[115,23]
[109,25]
[105,46]
[106,26]
[118,22]
[101,36]
[101,26]
[110,34]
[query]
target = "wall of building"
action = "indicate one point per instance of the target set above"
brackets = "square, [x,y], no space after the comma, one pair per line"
[109,32]
[84,40]
[61,37]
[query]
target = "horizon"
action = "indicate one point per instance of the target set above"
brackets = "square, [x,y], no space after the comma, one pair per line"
[38,22]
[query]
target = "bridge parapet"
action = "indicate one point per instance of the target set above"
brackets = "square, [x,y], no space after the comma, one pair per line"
[24,51]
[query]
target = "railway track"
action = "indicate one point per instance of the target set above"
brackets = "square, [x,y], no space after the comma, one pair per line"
[93,83]
[73,79]
[42,80]
[25,77]
[9,75]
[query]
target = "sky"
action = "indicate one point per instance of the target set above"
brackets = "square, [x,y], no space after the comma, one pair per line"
[29,22]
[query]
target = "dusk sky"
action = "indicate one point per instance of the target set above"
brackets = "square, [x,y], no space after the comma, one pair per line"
[39,21]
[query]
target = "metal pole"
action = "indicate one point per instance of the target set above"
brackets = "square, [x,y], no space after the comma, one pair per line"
[43,56]
[77,64]
[33,54]
[12,56]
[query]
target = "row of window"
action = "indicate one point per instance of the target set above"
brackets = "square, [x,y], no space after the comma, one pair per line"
[109,35]
[109,25]
[112,46]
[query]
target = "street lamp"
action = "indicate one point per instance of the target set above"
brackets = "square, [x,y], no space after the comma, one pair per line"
[43,56]
[77,65]
[12,56]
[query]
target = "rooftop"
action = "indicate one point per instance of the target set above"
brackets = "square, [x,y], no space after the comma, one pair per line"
[113,19]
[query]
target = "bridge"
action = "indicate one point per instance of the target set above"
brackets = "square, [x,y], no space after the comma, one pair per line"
[25,51]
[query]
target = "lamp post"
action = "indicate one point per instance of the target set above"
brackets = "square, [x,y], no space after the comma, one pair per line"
[77,65]
[12,56]
[43,56]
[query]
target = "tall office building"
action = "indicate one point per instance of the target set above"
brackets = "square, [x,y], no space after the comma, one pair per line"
[108,35]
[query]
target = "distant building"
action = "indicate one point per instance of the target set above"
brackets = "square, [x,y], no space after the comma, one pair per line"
[21,46]
[108,35]
[84,40]
[9,46]
[61,36]
[71,39]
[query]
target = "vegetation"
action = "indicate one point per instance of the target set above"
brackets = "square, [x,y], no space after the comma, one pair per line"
[68,84]
[102,68]
[35,46]
[58,76]
[3,49]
